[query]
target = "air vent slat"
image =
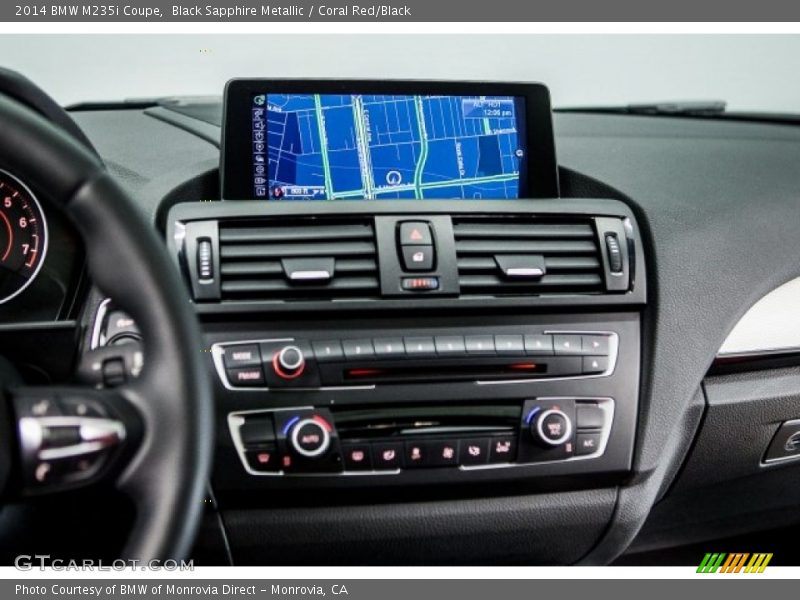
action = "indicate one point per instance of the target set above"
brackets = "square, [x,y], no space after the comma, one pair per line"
[507,246]
[280,286]
[308,233]
[567,252]
[522,231]
[338,256]
[548,281]
[284,250]
[344,265]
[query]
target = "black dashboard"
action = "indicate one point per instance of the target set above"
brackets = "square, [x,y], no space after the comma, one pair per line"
[538,393]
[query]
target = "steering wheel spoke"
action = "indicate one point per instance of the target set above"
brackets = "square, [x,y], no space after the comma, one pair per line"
[72,436]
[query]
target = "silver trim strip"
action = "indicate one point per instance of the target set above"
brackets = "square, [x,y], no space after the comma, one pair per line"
[769,326]
[310,275]
[99,316]
[783,459]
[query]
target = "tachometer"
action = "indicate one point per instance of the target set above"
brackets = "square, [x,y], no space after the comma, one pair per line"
[23,236]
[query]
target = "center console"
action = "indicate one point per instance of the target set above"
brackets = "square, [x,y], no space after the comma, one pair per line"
[396,305]
[336,374]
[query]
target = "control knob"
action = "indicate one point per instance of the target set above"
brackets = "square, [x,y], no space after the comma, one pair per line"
[553,427]
[289,362]
[311,437]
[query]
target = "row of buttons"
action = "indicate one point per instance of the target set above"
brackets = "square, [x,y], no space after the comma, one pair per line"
[391,455]
[457,345]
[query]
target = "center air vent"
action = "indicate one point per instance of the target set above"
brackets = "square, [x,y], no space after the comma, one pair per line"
[299,259]
[503,256]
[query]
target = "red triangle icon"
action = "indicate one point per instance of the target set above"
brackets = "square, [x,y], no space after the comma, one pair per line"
[415,235]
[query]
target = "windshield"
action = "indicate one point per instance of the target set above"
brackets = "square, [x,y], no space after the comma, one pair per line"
[748,72]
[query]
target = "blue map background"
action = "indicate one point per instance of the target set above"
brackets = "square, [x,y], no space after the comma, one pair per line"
[362,146]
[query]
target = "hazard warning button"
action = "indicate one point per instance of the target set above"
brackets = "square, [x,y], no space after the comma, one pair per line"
[415,233]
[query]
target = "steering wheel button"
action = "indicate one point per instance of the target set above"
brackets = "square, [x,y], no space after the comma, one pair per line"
[247,377]
[37,407]
[242,355]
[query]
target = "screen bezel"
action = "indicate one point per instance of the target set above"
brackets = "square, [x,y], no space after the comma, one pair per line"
[235,163]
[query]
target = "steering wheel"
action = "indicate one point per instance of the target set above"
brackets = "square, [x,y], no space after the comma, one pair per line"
[151,437]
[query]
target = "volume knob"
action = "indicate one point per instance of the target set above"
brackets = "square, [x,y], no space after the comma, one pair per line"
[289,362]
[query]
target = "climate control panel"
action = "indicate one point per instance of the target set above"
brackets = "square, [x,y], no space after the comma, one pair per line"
[319,440]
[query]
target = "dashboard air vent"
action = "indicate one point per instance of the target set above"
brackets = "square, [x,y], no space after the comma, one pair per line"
[511,256]
[299,259]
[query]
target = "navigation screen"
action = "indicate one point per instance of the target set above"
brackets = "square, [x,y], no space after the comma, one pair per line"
[331,147]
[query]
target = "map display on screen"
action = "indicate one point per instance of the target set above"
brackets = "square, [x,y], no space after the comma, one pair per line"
[331,147]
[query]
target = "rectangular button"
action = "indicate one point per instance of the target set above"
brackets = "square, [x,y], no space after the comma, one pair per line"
[480,344]
[443,453]
[473,451]
[415,233]
[387,455]
[419,284]
[357,457]
[450,345]
[509,345]
[328,351]
[595,345]
[358,349]
[264,459]
[587,443]
[594,364]
[241,355]
[419,347]
[539,345]
[590,417]
[389,348]
[503,448]
[249,376]
[257,431]
[567,344]
[416,454]
[418,258]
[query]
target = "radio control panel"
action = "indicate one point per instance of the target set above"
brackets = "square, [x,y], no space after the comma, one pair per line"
[300,363]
